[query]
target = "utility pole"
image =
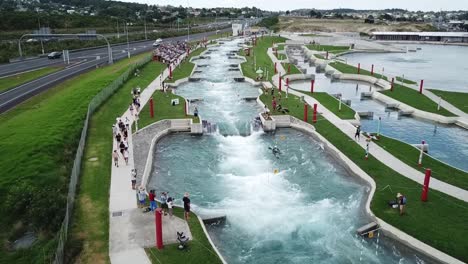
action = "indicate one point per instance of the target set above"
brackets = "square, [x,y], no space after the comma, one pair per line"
[128,44]
[39,31]
[118,33]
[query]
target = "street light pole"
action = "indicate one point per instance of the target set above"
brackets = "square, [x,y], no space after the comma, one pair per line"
[128,44]
[146,35]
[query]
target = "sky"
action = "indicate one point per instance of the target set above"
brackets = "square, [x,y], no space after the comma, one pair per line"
[275,5]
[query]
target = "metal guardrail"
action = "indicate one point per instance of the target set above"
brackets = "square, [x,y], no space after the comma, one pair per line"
[97,101]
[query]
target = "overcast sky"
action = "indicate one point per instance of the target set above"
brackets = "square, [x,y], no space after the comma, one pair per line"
[413,5]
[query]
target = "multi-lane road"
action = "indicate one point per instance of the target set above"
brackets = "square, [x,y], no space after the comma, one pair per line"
[80,61]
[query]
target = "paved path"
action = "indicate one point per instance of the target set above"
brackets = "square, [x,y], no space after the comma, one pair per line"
[375,150]
[126,239]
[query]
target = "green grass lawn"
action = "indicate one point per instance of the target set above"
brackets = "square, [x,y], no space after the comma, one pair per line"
[90,232]
[163,109]
[415,99]
[292,103]
[329,48]
[199,248]
[403,80]
[457,99]
[39,142]
[346,68]
[332,104]
[280,47]
[6,83]
[185,68]
[281,56]
[262,59]
[409,155]
[440,222]
[294,69]
[319,56]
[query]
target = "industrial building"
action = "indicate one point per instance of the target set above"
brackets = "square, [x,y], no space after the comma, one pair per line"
[446,37]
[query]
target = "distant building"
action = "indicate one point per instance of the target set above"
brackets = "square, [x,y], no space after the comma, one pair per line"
[237,29]
[448,37]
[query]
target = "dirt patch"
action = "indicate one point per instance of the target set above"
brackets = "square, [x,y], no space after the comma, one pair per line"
[295,24]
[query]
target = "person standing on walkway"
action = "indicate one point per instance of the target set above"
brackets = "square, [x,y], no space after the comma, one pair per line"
[164,202]
[170,205]
[131,109]
[118,138]
[141,197]
[115,156]
[115,130]
[153,204]
[358,133]
[133,175]
[186,201]
[125,154]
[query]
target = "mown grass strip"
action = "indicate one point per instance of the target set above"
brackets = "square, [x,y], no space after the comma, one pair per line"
[457,99]
[6,83]
[346,68]
[332,104]
[262,60]
[292,67]
[440,222]
[39,140]
[403,80]
[329,48]
[409,155]
[199,248]
[184,69]
[413,98]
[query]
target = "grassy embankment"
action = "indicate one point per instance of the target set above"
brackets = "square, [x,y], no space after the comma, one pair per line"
[329,48]
[457,99]
[403,80]
[440,222]
[6,83]
[401,93]
[294,69]
[199,250]
[281,56]
[409,155]
[262,59]
[184,69]
[319,56]
[39,140]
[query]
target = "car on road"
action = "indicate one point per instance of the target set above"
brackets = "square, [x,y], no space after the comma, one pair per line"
[157,42]
[54,55]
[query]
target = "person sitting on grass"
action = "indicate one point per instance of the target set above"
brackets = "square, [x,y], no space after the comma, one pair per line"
[401,202]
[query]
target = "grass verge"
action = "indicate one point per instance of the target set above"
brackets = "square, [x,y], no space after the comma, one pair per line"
[319,56]
[262,59]
[329,48]
[440,222]
[413,98]
[184,69]
[6,83]
[409,155]
[39,142]
[293,69]
[332,104]
[199,249]
[457,99]
[281,56]
[403,80]
[90,232]
[346,68]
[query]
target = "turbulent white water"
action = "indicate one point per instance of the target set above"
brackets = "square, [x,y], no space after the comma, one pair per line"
[307,212]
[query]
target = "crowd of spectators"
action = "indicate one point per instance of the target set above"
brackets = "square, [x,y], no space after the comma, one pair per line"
[168,52]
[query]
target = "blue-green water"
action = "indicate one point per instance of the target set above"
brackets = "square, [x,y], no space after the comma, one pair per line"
[308,212]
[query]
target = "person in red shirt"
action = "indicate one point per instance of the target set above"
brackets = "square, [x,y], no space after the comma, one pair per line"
[153,204]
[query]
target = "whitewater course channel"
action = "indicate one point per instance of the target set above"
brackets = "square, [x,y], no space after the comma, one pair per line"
[446,142]
[308,212]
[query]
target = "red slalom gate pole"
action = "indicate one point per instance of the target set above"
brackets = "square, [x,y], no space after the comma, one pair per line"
[306,117]
[287,82]
[158,222]
[276,71]
[289,68]
[359,68]
[312,83]
[185,107]
[170,71]
[327,55]
[391,85]
[151,107]
[425,189]
[421,86]
[314,119]
[279,82]
[372,70]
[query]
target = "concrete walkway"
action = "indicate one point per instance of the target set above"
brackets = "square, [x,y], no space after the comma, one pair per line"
[130,229]
[375,150]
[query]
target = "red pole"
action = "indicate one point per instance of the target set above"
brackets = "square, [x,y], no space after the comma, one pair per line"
[276,71]
[287,82]
[170,71]
[327,55]
[314,119]
[185,107]
[421,86]
[372,70]
[425,189]
[359,68]
[158,222]
[312,83]
[289,68]
[391,86]
[279,82]
[151,107]
[306,106]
